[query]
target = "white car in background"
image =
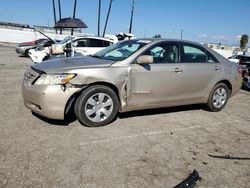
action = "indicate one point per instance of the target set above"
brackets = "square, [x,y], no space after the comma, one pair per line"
[81,46]
[239,58]
[91,45]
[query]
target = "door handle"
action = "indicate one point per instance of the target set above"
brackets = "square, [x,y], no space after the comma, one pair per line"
[178,70]
[217,68]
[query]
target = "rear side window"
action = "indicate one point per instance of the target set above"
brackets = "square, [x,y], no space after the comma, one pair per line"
[98,43]
[164,53]
[196,54]
[193,54]
[80,43]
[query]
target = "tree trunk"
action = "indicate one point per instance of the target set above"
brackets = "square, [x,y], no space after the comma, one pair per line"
[107,18]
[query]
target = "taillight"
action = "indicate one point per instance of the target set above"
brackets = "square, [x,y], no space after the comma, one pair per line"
[239,69]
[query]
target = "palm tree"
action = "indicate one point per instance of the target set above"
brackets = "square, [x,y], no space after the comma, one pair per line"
[54,11]
[107,18]
[74,15]
[99,17]
[132,14]
[244,41]
[60,14]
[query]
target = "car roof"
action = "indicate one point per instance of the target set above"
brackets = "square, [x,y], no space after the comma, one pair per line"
[167,40]
[93,37]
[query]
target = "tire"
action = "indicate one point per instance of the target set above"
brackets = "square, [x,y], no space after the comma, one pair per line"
[26,53]
[218,98]
[93,113]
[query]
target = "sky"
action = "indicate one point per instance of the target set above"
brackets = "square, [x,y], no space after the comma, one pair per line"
[215,21]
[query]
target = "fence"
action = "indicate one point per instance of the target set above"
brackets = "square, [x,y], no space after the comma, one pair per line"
[12,35]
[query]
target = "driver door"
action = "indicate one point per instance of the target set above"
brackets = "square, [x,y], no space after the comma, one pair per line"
[157,84]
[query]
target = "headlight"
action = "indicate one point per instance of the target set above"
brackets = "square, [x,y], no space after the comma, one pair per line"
[54,79]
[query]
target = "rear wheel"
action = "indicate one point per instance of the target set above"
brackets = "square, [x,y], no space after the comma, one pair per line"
[96,106]
[218,97]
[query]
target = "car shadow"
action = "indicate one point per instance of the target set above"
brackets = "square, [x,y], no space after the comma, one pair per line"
[245,88]
[70,118]
[23,56]
[160,111]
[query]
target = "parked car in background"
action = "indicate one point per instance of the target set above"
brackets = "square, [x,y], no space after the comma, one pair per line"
[239,58]
[39,53]
[90,45]
[245,64]
[131,75]
[23,48]
[81,46]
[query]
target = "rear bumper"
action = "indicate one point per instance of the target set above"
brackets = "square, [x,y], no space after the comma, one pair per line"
[237,84]
[47,101]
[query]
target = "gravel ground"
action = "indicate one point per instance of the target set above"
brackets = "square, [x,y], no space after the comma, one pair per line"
[154,148]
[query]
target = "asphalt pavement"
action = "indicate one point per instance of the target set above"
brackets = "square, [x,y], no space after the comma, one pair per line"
[153,148]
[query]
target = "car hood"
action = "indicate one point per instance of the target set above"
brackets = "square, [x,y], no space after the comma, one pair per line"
[59,65]
[27,43]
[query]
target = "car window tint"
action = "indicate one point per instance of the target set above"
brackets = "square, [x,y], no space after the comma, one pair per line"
[164,53]
[107,43]
[98,43]
[192,54]
[81,43]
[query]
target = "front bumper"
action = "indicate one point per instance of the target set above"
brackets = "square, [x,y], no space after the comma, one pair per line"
[48,101]
[20,50]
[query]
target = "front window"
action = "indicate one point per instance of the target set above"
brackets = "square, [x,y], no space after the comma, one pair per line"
[164,53]
[121,50]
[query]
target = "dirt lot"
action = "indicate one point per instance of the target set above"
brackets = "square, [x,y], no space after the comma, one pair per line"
[156,148]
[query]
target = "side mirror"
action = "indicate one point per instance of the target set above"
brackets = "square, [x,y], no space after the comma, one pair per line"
[145,59]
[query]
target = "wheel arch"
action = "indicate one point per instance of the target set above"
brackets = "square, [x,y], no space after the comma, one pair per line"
[71,102]
[228,84]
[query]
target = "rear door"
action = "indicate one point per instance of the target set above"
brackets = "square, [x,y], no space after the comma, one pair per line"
[157,84]
[201,70]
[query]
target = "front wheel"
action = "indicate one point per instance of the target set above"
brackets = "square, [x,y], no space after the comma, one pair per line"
[218,97]
[96,106]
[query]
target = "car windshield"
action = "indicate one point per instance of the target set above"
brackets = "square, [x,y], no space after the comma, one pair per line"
[42,42]
[121,50]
